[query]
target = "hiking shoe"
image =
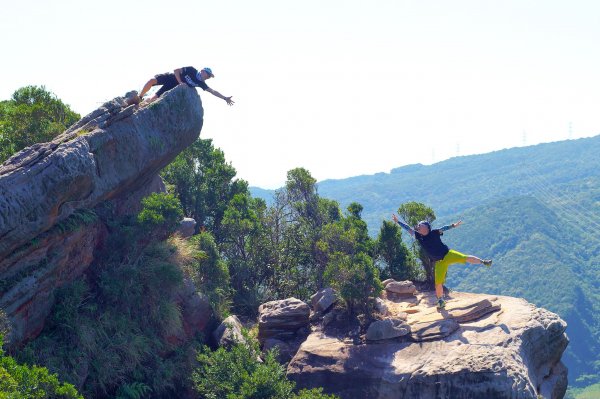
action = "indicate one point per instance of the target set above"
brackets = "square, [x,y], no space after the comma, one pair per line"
[487,262]
[441,304]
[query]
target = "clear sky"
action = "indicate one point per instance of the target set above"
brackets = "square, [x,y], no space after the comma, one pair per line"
[342,88]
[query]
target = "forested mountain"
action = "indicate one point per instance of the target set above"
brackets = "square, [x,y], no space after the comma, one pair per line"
[534,210]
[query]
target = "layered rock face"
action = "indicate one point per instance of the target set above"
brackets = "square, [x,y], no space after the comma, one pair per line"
[479,347]
[48,232]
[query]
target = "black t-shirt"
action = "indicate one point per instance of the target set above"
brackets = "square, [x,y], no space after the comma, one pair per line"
[432,244]
[189,76]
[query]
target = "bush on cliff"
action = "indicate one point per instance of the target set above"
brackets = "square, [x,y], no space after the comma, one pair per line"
[22,381]
[237,373]
[112,330]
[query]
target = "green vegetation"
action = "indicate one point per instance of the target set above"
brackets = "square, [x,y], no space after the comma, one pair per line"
[236,373]
[590,392]
[29,382]
[32,115]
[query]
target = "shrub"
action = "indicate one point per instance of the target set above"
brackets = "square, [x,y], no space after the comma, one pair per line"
[160,211]
[237,373]
[21,381]
[356,279]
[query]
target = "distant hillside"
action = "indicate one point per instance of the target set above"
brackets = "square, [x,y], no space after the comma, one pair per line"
[535,210]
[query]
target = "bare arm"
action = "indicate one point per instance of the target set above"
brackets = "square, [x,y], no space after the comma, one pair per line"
[403,225]
[217,94]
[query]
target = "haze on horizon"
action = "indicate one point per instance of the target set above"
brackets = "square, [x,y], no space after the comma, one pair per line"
[342,88]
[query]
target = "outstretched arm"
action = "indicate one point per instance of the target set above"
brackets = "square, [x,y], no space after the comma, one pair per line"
[403,225]
[453,225]
[216,93]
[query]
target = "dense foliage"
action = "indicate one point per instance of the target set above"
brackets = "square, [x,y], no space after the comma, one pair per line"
[237,373]
[30,382]
[32,115]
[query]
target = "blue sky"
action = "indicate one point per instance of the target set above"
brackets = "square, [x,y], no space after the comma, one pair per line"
[341,88]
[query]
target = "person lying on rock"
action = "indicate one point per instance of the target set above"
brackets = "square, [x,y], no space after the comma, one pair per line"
[439,253]
[181,76]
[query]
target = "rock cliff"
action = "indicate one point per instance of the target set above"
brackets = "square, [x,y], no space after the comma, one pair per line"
[481,346]
[48,192]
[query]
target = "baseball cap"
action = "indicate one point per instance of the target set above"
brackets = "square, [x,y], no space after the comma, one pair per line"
[208,71]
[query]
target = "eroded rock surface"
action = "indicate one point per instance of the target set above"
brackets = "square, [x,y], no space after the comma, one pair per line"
[479,347]
[49,231]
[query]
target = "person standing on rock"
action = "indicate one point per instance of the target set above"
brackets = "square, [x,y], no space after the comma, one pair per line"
[439,253]
[182,76]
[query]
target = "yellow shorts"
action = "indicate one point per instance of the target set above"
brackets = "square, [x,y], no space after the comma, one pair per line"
[441,266]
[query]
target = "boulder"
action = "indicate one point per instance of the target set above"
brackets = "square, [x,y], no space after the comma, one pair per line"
[285,352]
[186,227]
[195,310]
[381,307]
[387,329]
[322,300]
[229,332]
[401,287]
[282,319]
[433,330]
[510,354]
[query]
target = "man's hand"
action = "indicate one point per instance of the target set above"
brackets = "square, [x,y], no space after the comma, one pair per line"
[229,100]
[395,218]
[457,223]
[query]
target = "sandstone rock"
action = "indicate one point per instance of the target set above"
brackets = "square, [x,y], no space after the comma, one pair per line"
[229,332]
[386,329]
[49,193]
[401,287]
[387,281]
[510,354]
[112,151]
[284,351]
[433,330]
[30,276]
[322,300]
[472,311]
[381,307]
[186,227]
[195,309]
[281,319]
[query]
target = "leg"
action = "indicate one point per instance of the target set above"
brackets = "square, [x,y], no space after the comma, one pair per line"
[477,261]
[441,268]
[474,259]
[147,86]
[439,290]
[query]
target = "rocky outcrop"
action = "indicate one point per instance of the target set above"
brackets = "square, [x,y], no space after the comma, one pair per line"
[49,229]
[110,152]
[322,300]
[479,347]
[229,332]
[282,319]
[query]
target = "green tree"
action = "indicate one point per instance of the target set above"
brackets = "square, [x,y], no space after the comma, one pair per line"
[212,274]
[412,213]
[356,279]
[204,183]
[250,252]
[396,260]
[32,115]
[31,382]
